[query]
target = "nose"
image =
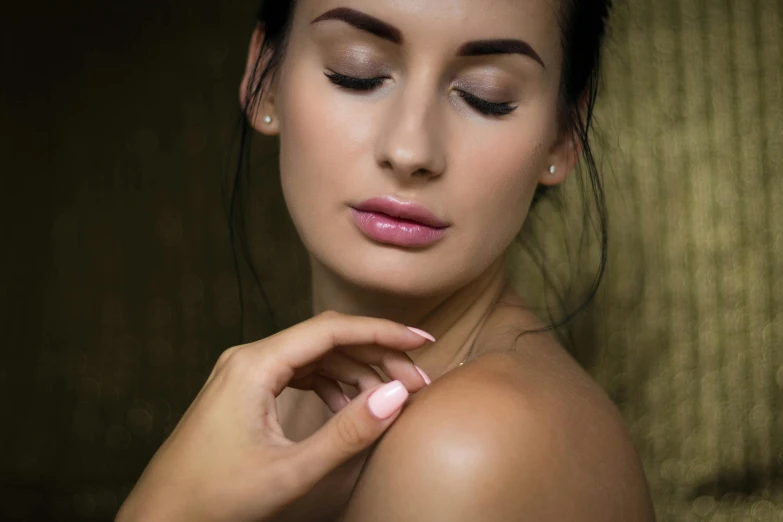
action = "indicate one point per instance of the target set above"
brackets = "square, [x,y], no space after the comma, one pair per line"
[410,143]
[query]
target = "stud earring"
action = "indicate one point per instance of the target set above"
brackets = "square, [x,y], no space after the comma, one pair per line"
[267,119]
[552,169]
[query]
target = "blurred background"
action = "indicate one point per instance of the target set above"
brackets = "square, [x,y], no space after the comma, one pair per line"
[118,289]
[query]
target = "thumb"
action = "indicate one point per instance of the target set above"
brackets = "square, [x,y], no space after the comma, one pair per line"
[351,430]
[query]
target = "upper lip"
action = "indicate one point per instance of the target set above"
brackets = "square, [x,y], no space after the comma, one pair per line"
[403,209]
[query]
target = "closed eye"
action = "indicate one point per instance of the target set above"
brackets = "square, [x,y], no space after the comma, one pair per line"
[486,107]
[368,84]
[353,83]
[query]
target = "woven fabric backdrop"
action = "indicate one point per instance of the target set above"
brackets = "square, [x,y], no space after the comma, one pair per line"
[118,289]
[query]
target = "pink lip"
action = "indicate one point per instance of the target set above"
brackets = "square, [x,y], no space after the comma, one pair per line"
[402,209]
[396,231]
[405,224]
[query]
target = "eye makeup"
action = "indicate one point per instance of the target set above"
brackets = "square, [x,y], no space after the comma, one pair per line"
[360,69]
[362,85]
[356,69]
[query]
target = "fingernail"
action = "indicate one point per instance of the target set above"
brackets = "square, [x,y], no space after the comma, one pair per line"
[424,375]
[387,399]
[422,333]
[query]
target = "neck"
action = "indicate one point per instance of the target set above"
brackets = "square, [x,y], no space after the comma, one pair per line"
[454,318]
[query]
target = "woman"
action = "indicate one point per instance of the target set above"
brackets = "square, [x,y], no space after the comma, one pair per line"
[414,137]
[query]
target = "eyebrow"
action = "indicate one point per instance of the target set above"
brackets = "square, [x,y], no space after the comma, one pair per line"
[388,32]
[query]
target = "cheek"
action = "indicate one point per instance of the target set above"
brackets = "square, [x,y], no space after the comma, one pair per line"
[324,142]
[322,135]
[327,159]
[505,167]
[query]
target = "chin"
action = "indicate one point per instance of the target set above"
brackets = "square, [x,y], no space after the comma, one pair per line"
[388,270]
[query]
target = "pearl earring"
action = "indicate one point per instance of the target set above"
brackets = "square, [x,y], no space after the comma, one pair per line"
[267,119]
[552,169]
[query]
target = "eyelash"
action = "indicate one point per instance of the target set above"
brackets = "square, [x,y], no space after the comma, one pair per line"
[368,84]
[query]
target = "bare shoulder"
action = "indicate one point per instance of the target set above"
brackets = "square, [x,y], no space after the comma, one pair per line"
[507,437]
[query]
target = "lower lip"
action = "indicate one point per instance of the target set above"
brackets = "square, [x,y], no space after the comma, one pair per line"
[395,231]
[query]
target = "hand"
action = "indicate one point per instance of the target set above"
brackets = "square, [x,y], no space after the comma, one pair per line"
[227,458]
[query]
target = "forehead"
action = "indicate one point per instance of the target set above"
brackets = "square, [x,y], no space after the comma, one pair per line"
[447,23]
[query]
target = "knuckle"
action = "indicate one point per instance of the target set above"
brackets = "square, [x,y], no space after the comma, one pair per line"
[329,314]
[350,433]
[368,380]
[387,358]
[391,360]
[225,356]
[239,362]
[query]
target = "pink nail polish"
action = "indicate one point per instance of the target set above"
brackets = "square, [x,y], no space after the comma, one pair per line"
[422,333]
[387,399]
[424,375]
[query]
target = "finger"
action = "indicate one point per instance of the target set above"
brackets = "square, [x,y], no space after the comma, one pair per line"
[304,371]
[397,365]
[311,339]
[329,392]
[344,369]
[337,367]
[350,431]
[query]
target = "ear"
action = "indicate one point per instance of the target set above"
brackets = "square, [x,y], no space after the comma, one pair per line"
[266,105]
[564,153]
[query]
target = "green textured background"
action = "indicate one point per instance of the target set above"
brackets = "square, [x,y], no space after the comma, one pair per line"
[118,291]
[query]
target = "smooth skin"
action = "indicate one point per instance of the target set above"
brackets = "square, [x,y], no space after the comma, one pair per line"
[527,415]
[228,458]
[520,433]
[415,137]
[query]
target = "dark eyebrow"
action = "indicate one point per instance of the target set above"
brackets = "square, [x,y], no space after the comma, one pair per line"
[388,32]
[364,22]
[484,47]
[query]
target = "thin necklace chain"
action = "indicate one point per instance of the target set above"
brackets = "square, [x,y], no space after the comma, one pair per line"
[481,324]
[466,357]
[472,345]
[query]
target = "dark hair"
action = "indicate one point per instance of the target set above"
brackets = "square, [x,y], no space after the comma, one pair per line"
[582,24]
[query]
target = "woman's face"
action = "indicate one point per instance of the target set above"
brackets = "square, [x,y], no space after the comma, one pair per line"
[420,133]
